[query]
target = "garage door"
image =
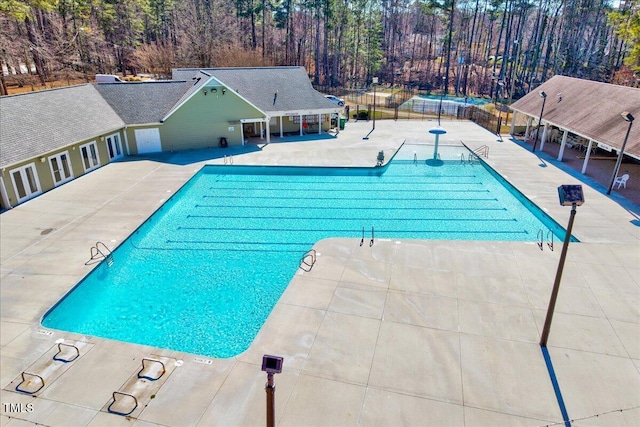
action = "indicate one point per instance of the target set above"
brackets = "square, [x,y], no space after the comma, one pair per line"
[148,140]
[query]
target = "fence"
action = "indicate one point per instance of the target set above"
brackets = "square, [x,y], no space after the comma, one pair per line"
[405,104]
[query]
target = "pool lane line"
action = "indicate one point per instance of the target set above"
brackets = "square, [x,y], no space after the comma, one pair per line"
[323,230]
[353,180]
[382,220]
[240,242]
[374,186]
[360,198]
[409,208]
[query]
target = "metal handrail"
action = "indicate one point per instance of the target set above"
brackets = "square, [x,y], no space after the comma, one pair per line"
[308,265]
[24,379]
[482,150]
[60,359]
[540,238]
[144,367]
[372,236]
[550,242]
[114,401]
[96,253]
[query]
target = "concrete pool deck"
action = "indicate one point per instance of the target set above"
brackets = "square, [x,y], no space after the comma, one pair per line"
[401,333]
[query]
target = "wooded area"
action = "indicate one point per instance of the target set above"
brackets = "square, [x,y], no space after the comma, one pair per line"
[495,48]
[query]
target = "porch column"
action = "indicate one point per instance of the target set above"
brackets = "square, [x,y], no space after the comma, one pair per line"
[300,115]
[586,156]
[563,144]
[268,130]
[513,123]
[319,124]
[281,134]
[544,135]
[526,132]
[261,131]
[126,141]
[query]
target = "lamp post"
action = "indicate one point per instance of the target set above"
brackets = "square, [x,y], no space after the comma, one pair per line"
[544,99]
[271,365]
[499,85]
[440,105]
[629,118]
[570,195]
[374,82]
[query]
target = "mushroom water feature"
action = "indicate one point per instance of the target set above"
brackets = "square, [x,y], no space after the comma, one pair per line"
[437,131]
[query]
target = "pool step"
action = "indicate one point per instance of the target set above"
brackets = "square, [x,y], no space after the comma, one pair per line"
[49,367]
[135,394]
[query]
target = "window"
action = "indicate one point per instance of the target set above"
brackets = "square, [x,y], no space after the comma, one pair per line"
[60,168]
[114,148]
[89,153]
[25,182]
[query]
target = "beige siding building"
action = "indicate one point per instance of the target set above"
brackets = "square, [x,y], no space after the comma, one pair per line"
[50,137]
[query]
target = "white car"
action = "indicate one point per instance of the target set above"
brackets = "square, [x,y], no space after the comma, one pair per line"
[335,99]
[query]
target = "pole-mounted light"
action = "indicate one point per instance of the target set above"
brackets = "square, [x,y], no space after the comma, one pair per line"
[543,95]
[271,365]
[627,118]
[569,195]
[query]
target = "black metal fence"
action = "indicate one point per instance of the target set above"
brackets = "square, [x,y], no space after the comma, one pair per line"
[405,104]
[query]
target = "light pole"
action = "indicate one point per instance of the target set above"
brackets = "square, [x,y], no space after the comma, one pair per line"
[544,99]
[499,85]
[271,365]
[440,106]
[570,195]
[374,82]
[629,118]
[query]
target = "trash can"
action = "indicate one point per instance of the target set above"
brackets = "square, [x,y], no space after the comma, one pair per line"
[342,122]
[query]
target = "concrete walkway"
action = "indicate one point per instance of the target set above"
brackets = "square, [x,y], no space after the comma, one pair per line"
[405,332]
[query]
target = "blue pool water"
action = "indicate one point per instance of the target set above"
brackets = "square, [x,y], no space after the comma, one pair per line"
[204,272]
[458,99]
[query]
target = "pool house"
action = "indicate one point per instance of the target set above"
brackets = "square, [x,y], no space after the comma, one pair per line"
[581,114]
[51,137]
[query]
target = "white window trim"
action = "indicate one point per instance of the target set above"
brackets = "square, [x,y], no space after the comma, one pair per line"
[88,144]
[22,170]
[113,137]
[58,156]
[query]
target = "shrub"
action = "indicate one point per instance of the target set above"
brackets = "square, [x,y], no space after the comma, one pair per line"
[362,115]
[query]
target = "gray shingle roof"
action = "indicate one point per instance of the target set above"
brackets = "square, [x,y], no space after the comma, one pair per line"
[36,123]
[587,108]
[144,102]
[260,84]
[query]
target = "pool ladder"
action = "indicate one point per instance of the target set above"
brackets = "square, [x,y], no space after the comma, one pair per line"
[372,236]
[308,260]
[228,160]
[483,151]
[540,239]
[471,157]
[98,252]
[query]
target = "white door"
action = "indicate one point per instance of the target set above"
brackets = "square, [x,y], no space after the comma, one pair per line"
[60,168]
[25,182]
[148,140]
[114,148]
[89,153]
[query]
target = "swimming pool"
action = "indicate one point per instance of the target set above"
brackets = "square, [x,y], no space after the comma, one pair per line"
[204,272]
